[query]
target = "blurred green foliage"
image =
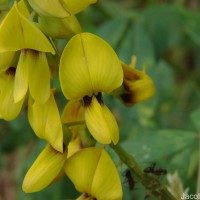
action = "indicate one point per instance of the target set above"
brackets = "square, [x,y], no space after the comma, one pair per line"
[164,35]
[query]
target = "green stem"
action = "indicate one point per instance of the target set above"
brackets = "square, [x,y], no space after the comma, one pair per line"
[150,182]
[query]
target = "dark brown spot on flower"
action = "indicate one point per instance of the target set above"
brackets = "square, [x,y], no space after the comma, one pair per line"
[99,98]
[87,101]
[85,196]
[126,98]
[34,53]
[11,71]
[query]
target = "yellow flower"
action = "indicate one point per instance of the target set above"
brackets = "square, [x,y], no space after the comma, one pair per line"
[88,67]
[137,85]
[94,174]
[45,169]
[61,9]
[45,121]
[27,35]
[32,71]
[59,27]
[6,59]
[73,117]
[8,108]
[73,112]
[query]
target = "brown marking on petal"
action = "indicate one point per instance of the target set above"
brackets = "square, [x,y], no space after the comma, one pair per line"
[31,51]
[87,101]
[99,98]
[126,98]
[11,71]
[85,196]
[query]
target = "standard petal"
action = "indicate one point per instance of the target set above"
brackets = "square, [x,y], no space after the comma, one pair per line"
[103,64]
[106,183]
[39,76]
[44,170]
[101,123]
[78,5]
[74,77]
[52,8]
[84,162]
[27,35]
[89,65]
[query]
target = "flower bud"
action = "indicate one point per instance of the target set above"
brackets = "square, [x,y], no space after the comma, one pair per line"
[59,27]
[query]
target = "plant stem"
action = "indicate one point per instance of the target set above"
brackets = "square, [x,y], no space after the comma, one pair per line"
[150,182]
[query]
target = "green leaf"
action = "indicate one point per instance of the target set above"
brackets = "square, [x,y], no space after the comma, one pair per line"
[112,31]
[195,117]
[164,24]
[155,145]
[136,41]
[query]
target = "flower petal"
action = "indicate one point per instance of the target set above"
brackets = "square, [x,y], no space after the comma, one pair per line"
[6,59]
[52,8]
[53,129]
[39,76]
[21,77]
[89,65]
[59,27]
[73,112]
[8,108]
[74,77]
[45,121]
[101,123]
[27,35]
[80,168]
[106,183]
[44,170]
[97,175]
[138,86]
[78,5]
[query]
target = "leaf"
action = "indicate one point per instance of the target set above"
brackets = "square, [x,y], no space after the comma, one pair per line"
[112,31]
[164,24]
[153,146]
[137,42]
[195,117]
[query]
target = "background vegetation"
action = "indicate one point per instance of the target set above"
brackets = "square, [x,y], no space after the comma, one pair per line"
[164,35]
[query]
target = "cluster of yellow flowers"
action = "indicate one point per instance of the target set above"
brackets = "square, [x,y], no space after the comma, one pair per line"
[88,67]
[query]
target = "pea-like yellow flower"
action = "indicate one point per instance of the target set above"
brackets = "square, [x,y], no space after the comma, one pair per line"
[45,169]
[32,71]
[137,85]
[27,35]
[74,114]
[94,174]
[59,27]
[61,8]
[88,67]
[45,121]
[6,59]
[9,109]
